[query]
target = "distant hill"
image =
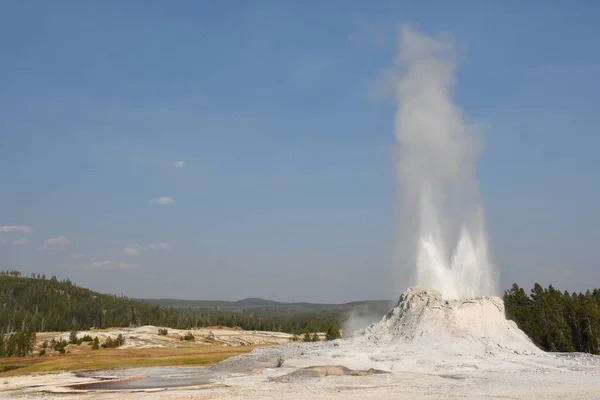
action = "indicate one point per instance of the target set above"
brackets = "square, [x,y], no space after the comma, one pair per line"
[254,302]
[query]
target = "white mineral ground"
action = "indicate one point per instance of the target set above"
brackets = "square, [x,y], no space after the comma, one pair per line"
[432,349]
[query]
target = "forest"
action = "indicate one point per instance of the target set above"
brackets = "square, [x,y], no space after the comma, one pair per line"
[37,304]
[555,320]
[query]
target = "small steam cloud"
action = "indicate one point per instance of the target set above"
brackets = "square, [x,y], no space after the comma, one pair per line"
[441,228]
[360,318]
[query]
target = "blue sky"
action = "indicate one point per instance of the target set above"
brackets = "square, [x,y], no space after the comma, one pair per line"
[287,191]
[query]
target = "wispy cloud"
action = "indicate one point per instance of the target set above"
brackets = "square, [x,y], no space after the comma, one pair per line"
[76,255]
[19,242]
[98,264]
[135,249]
[159,246]
[131,251]
[162,200]
[13,229]
[112,264]
[179,164]
[16,229]
[55,243]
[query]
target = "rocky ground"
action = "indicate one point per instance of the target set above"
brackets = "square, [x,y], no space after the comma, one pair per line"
[412,376]
[147,337]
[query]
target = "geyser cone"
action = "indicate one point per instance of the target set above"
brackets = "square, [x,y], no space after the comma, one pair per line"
[474,325]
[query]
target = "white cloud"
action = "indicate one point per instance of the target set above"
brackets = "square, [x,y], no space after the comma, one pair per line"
[55,243]
[16,228]
[19,242]
[76,255]
[179,164]
[98,264]
[131,251]
[135,249]
[162,200]
[112,264]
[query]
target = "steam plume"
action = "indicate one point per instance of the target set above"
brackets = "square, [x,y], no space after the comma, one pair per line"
[441,227]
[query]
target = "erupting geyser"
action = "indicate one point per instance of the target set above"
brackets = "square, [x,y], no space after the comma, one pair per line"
[449,336]
[441,216]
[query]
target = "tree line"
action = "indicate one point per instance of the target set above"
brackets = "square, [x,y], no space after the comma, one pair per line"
[555,320]
[18,344]
[36,304]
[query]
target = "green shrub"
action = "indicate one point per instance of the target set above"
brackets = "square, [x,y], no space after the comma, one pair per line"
[111,343]
[333,332]
[73,337]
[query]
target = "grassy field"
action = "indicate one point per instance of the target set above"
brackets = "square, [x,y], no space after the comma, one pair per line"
[117,358]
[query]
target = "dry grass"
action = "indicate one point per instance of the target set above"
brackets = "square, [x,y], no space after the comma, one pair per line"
[85,359]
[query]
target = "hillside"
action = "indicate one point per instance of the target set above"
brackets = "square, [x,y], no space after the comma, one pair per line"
[39,304]
[32,304]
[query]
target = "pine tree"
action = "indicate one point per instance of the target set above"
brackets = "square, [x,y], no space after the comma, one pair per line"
[333,332]
[559,331]
[589,323]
